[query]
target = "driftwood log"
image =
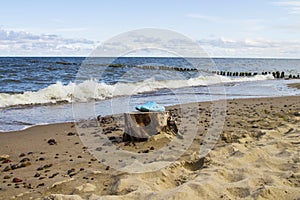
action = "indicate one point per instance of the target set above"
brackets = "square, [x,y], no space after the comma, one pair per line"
[140,126]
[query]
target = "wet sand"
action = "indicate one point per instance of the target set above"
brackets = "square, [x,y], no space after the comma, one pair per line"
[257,156]
[294,85]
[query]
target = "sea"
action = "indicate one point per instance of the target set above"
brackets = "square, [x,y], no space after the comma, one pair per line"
[45,90]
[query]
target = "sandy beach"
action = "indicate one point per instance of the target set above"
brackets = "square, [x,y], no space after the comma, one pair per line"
[257,156]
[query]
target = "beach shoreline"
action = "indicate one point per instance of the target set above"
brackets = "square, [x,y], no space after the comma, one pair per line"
[256,156]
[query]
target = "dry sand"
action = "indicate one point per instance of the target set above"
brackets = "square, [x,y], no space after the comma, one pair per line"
[257,156]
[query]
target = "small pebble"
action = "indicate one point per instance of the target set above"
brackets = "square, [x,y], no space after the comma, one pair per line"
[72,174]
[71,134]
[99,149]
[17,180]
[22,155]
[25,160]
[6,161]
[146,151]
[70,171]
[44,167]
[297,114]
[53,175]
[52,142]
[6,177]
[40,185]
[7,168]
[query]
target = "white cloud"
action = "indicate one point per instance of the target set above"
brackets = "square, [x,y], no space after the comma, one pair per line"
[27,44]
[225,47]
[20,43]
[292,6]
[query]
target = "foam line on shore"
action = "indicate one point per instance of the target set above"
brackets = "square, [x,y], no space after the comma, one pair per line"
[92,90]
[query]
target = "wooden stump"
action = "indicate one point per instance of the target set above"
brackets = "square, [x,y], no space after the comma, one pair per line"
[142,125]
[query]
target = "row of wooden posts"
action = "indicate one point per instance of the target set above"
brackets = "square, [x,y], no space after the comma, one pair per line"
[276,74]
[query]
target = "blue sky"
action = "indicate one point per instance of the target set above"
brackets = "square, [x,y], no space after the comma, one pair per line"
[224,28]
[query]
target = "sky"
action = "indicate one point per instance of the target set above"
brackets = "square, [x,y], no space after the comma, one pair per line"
[223,28]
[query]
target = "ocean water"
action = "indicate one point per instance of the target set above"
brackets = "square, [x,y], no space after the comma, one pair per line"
[42,90]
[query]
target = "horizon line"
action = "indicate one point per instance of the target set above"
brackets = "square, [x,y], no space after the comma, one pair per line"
[137,56]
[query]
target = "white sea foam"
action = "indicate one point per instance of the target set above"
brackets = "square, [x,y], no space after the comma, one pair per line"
[92,90]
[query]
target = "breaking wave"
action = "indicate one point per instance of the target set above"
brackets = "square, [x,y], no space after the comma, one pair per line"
[93,90]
